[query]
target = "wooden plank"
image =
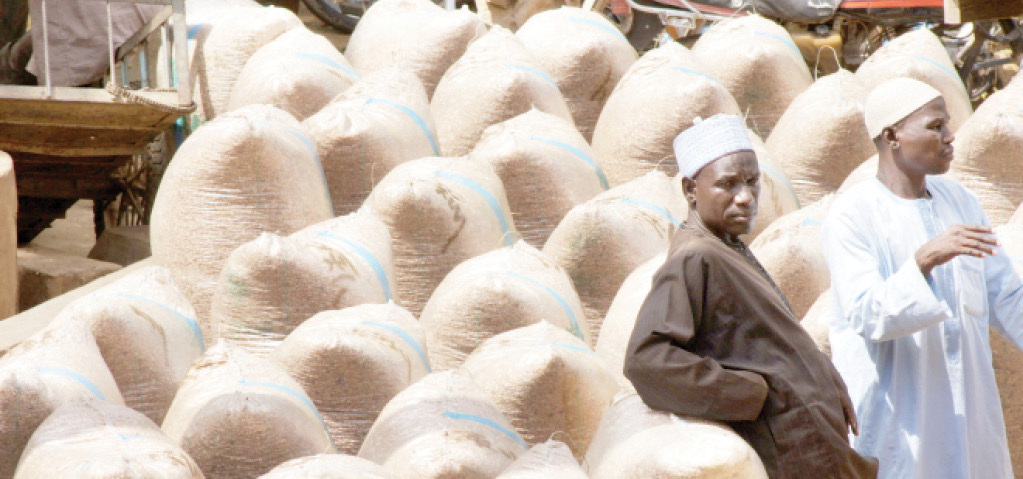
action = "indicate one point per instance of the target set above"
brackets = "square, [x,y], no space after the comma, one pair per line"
[87,112]
[74,141]
[963,11]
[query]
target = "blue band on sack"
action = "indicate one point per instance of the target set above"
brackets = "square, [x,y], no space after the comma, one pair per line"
[576,330]
[939,65]
[811,222]
[781,178]
[594,23]
[328,62]
[84,381]
[414,116]
[406,337]
[312,148]
[648,205]
[578,153]
[690,71]
[534,71]
[366,255]
[487,422]
[192,323]
[787,41]
[491,200]
[573,347]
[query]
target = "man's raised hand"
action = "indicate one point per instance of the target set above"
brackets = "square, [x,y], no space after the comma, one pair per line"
[973,240]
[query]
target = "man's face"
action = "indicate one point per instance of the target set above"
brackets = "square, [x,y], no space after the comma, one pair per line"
[925,140]
[725,194]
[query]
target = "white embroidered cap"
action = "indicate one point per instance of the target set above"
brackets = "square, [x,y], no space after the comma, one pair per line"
[708,140]
[894,100]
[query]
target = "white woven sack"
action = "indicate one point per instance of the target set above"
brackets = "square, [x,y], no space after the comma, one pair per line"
[777,196]
[328,466]
[1006,358]
[817,322]
[548,460]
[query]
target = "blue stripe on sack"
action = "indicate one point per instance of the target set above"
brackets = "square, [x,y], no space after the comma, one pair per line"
[487,422]
[192,323]
[323,176]
[405,336]
[367,255]
[939,65]
[594,23]
[301,397]
[84,381]
[329,62]
[414,116]
[534,71]
[780,177]
[811,222]
[573,347]
[648,205]
[787,41]
[690,71]
[576,330]
[577,152]
[494,205]
[130,438]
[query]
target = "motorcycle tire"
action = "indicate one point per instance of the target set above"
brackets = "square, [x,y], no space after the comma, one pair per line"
[645,28]
[341,16]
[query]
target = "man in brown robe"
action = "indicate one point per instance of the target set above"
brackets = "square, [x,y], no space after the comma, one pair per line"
[716,339]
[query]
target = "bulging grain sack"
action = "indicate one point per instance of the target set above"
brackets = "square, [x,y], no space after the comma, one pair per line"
[8,238]
[548,460]
[299,72]
[440,212]
[987,155]
[544,380]
[496,80]
[51,368]
[1006,359]
[146,332]
[576,47]
[442,427]
[239,416]
[224,38]
[600,242]
[864,172]
[92,439]
[546,166]
[759,64]
[920,55]
[777,197]
[817,322]
[416,35]
[497,292]
[790,250]
[328,466]
[352,362]
[658,98]
[378,123]
[250,172]
[272,284]
[616,331]
[636,442]
[822,136]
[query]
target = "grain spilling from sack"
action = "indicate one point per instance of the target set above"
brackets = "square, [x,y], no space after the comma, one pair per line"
[147,334]
[635,442]
[378,123]
[50,368]
[658,98]
[496,80]
[415,35]
[497,292]
[251,171]
[817,322]
[777,196]
[94,439]
[548,460]
[272,284]
[224,39]
[328,466]
[1006,359]
[600,242]
[544,380]
[8,238]
[352,362]
[822,136]
[987,155]
[919,54]
[617,328]
[790,250]
[759,64]
[440,212]
[576,48]
[546,166]
[299,72]
[442,427]
[239,416]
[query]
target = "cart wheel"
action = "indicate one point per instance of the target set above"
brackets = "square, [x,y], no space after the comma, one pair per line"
[640,28]
[138,181]
[340,14]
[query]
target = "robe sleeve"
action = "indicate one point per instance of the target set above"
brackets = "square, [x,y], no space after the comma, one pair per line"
[666,375]
[877,307]
[1005,294]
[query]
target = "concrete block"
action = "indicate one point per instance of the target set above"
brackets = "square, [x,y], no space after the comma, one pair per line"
[45,274]
[123,245]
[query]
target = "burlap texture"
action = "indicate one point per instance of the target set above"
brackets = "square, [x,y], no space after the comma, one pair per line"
[328,466]
[817,322]
[777,196]
[548,460]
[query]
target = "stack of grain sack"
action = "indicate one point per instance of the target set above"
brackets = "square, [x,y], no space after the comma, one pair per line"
[1006,358]
[8,238]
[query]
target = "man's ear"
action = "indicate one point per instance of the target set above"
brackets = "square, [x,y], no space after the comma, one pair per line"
[689,188]
[889,136]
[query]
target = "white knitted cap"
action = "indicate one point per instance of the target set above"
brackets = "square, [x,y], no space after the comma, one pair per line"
[894,100]
[709,140]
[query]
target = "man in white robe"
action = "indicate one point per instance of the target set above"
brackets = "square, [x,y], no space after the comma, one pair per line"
[917,278]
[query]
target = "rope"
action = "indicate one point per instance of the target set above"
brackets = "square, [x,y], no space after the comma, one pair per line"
[130,96]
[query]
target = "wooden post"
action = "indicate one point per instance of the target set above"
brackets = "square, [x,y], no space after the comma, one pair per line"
[8,238]
[962,11]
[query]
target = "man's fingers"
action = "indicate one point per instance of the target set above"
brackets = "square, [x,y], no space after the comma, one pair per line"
[983,238]
[978,229]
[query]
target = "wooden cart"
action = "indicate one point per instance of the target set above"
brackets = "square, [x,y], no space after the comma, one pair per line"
[75,143]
